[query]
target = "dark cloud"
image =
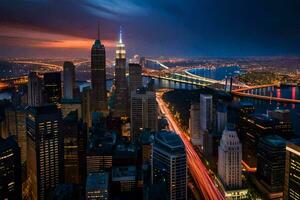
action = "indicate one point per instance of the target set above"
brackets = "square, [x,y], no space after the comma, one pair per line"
[169,27]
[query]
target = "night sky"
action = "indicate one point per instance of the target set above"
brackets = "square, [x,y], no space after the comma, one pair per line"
[151,27]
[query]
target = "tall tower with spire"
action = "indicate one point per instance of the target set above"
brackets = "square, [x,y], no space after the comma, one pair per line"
[121,106]
[98,77]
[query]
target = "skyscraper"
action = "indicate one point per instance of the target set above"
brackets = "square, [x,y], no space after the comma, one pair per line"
[97,186]
[121,106]
[230,157]
[271,163]
[194,124]
[98,78]
[143,111]
[35,86]
[135,76]
[10,170]
[44,149]
[52,87]
[69,80]
[170,165]
[206,112]
[292,170]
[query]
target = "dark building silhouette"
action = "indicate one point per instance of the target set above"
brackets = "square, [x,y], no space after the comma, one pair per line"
[10,170]
[135,76]
[98,77]
[52,88]
[69,80]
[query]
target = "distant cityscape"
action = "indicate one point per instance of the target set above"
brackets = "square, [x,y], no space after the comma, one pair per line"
[149,127]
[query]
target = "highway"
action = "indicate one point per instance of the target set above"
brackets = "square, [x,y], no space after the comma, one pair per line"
[196,167]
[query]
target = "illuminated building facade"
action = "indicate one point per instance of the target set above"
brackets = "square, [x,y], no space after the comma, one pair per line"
[97,186]
[292,171]
[170,164]
[143,111]
[98,78]
[121,92]
[10,170]
[194,124]
[44,149]
[206,112]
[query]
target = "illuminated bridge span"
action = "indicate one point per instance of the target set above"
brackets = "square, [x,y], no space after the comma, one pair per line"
[263,92]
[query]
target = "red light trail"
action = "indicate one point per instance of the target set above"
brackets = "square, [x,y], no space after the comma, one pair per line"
[197,168]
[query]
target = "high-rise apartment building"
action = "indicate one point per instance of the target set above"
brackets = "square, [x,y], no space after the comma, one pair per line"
[170,164]
[98,78]
[45,151]
[10,170]
[143,111]
[35,88]
[69,80]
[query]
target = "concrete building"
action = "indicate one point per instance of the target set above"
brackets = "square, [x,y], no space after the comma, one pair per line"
[170,164]
[143,111]
[229,164]
[206,112]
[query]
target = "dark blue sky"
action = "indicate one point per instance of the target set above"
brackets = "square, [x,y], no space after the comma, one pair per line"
[151,27]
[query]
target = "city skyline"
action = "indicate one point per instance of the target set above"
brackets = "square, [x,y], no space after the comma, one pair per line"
[47,28]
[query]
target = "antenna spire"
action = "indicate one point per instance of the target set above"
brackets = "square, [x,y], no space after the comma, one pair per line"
[98,35]
[120,37]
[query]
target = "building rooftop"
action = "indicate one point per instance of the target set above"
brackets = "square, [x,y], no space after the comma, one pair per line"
[124,173]
[169,138]
[274,140]
[96,181]
[101,144]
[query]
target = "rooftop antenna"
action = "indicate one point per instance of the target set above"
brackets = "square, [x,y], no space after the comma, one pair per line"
[120,39]
[98,31]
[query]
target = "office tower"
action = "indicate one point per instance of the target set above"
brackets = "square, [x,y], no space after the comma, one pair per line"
[45,151]
[251,128]
[97,186]
[10,170]
[16,126]
[69,80]
[98,78]
[121,92]
[69,105]
[3,131]
[135,76]
[52,87]
[66,192]
[143,111]
[99,153]
[206,112]
[282,121]
[292,170]
[146,141]
[35,86]
[125,154]
[75,136]
[271,164]
[229,163]
[221,117]
[236,111]
[86,106]
[194,124]
[124,182]
[170,165]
